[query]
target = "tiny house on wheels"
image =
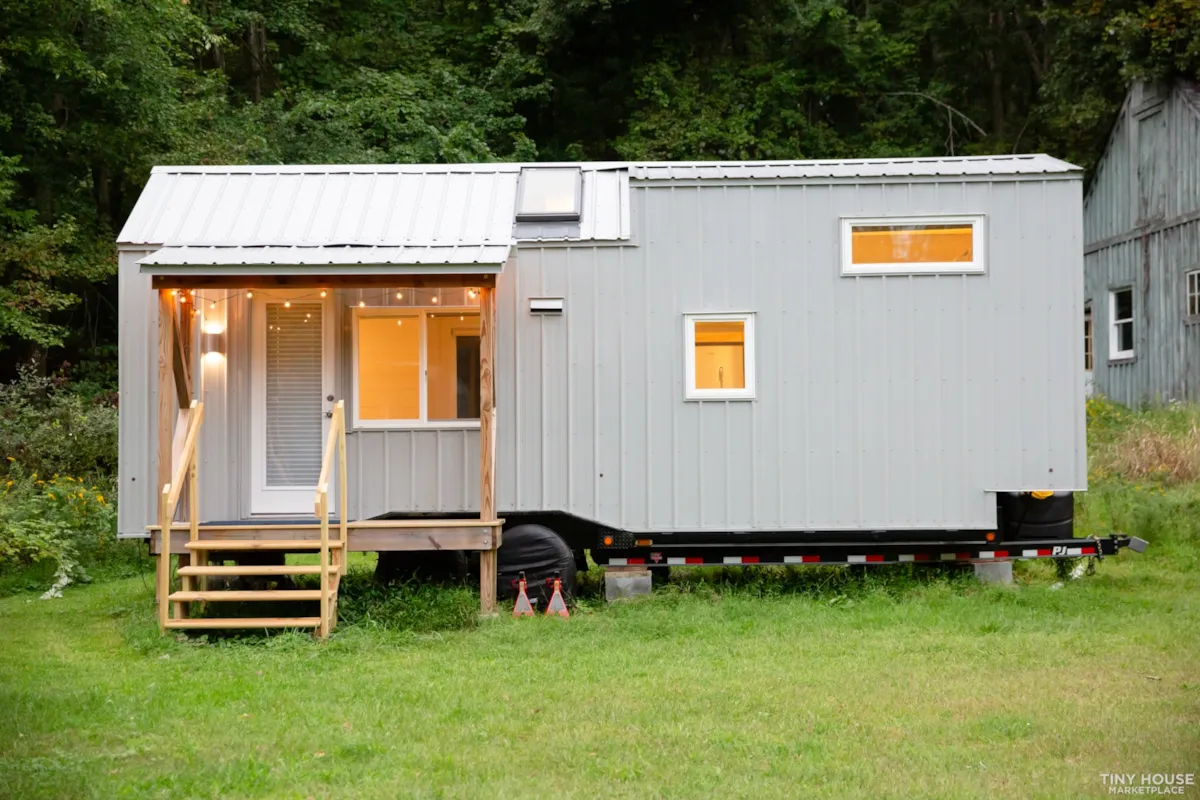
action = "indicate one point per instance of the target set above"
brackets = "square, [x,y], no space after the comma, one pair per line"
[662,363]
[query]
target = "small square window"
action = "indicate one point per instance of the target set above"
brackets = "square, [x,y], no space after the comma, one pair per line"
[1193,293]
[913,245]
[1120,335]
[720,356]
[549,194]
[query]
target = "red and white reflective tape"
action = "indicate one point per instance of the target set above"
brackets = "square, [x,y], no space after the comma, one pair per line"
[866,558]
[1063,551]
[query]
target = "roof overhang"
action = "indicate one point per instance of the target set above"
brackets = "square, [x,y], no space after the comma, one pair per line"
[234,266]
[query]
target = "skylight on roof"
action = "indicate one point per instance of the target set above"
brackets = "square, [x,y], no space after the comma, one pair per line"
[549,194]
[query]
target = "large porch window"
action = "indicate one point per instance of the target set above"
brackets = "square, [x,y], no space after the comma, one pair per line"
[416,367]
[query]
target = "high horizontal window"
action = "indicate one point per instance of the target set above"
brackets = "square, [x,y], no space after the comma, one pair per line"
[1193,293]
[416,367]
[1087,337]
[913,245]
[551,194]
[720,356]
[1120,334]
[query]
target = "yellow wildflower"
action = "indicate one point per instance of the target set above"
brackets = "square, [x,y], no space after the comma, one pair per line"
[100,499]
[50,495]
[10,458]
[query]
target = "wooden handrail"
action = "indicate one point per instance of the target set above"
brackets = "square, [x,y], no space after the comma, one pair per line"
[168,501]
[175,488]
[334,441]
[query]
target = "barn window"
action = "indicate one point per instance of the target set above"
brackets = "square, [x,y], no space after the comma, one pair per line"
[549,194]
[1087,337]
[417,367]
[913,245]
[1193,293]
[1120,335]
[720,356]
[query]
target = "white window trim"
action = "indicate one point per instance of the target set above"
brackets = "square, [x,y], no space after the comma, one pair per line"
[977,266]
[689,343]
[400,312]
[1113,353]
[1190,279]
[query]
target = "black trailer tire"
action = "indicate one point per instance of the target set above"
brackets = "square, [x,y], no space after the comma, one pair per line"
[540,553]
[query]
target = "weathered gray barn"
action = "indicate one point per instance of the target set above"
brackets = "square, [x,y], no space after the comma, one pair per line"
[822,349]
[1142,258]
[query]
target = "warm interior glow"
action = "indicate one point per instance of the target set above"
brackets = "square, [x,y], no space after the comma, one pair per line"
[452,366]
[389,368]
[720,355]
[214,327]
[912,244]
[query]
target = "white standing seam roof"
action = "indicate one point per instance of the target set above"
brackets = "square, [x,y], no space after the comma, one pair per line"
[440,214]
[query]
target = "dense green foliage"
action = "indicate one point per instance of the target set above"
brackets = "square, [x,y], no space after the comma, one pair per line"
[95,92]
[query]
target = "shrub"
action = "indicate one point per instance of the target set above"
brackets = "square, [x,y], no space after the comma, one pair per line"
[47,428]
[65,520]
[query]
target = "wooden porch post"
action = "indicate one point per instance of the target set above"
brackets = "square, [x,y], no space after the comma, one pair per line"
[166,428]
[487,445]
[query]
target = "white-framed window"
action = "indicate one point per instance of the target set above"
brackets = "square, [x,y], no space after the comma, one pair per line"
[719,356]
[924,245]
[1120,319]
[416,367]
[1193,293]
[1088,337]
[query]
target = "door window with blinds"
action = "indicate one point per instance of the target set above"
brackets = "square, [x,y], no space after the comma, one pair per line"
[416,367]
[933,245]
[719,356]
[293,374]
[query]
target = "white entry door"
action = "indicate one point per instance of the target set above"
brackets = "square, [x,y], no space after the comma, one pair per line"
[292,391]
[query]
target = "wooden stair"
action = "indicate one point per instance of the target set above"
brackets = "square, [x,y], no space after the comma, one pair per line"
[194,577]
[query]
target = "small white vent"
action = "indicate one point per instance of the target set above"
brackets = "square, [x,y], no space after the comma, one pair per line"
[545,305]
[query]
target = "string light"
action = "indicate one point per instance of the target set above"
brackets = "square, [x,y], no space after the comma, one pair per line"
[287,303]
[322,293]
[213,304]
[399,295]
[362,304]
[249,295]
[434,300]
[399,322]
[192,292]
[173,293]
[471,293]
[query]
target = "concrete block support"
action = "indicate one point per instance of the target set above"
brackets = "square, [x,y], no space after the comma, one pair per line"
[621,582]
[994,571]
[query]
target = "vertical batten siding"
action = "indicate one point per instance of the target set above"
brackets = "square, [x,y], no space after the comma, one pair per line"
[1150,174]
[881,402]
[138,393]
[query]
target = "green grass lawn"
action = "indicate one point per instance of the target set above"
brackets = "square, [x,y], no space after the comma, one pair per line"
[779,683]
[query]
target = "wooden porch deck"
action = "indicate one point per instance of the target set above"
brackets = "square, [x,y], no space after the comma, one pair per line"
[387,535]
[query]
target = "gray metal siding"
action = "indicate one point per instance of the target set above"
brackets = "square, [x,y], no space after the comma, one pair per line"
[881,402]
[137,342]
[1142,220]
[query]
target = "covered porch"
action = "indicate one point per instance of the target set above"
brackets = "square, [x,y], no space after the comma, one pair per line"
[276,286]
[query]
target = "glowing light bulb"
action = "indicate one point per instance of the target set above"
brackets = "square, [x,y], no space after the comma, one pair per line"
[192,292]
[361,304]
[249,295]
[287,303]
[213,304]
[435,299]
[399,322]
[173,293]
[470,293]
[399,295]
[322,293]
[460,317]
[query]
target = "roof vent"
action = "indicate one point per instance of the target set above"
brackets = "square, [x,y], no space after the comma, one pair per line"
[549,194]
